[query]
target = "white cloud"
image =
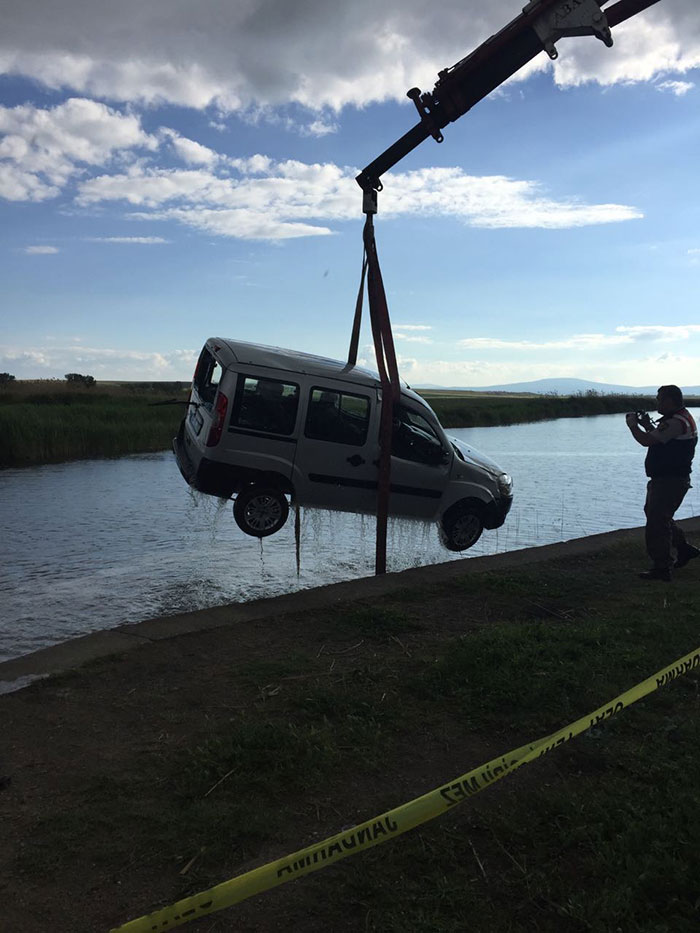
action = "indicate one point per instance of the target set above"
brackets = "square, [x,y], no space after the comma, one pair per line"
[576,342]
[410,338]
[16,184]
[320,128]
[492,201]
[638,371]
[414,326]
[664,40]
[261,53]
[277,200]
[41,149]
[679,88]
[40,250]
[104,363]
[141,240]
[665,333]
[189,150]
[623,335]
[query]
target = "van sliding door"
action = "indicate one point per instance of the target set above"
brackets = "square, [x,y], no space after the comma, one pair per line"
[336,459]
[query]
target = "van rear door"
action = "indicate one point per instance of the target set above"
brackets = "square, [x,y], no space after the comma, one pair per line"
[336,464]
[200,414]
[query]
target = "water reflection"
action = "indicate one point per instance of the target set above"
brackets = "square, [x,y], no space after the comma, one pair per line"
[92,544]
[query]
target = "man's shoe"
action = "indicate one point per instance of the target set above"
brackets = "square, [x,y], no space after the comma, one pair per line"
[656,573]
[687,554]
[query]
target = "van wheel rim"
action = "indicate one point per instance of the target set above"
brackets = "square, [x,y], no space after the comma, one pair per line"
[466,530]
[263,512]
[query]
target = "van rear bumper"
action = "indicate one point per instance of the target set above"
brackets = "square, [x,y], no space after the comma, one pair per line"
[214,479]
[495,512]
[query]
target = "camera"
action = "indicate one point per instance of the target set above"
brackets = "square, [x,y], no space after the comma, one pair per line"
[645,419]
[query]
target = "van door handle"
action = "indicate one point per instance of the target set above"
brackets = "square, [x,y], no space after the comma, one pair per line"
[356,460]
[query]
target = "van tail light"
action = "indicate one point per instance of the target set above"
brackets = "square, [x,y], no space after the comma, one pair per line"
[219,418]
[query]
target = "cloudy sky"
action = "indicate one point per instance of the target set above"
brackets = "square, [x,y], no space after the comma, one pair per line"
[171,171]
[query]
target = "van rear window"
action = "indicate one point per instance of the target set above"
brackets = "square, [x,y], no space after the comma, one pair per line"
[207,377]
[337,416]
[265,405]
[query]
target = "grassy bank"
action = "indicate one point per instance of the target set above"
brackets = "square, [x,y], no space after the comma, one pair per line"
[197,758]
[48,421]
[468,411]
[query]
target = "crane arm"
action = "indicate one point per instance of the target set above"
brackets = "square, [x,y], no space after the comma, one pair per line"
[540,25]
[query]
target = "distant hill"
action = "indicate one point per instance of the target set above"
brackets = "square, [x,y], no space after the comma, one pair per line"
[566,387]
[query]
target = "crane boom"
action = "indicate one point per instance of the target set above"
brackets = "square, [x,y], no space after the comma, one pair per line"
[540,25]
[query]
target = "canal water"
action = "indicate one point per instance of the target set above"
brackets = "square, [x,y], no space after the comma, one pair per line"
[89,545]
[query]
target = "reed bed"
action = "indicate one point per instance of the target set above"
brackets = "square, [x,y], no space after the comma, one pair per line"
[469,411]
[51,424]
[47,421]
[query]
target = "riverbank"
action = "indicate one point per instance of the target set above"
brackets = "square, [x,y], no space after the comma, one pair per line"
[49,421]
[146,776]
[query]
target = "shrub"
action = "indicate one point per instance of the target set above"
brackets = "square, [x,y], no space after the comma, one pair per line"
[77,378]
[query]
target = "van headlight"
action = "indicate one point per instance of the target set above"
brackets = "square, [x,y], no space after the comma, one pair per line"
[505,485]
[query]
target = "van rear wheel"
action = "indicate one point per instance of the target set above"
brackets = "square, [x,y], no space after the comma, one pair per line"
[260,510]
[461,527]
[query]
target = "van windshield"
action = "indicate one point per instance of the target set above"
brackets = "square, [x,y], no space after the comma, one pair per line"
[414,438]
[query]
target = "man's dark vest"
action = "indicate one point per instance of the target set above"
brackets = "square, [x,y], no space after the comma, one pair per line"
[674,458]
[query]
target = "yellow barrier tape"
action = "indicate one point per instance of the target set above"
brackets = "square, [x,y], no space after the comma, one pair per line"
[394,822]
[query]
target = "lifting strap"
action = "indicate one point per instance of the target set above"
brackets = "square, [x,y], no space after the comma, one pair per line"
[388,375]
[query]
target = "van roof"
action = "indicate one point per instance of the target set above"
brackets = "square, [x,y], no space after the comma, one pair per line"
[231,352]
[257,354]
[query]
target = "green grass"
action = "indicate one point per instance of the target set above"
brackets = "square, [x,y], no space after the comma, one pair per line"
[617,853]
[67,425]
[602,835]
[468,411]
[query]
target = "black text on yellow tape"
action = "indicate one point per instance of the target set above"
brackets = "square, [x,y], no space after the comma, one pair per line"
[395,822]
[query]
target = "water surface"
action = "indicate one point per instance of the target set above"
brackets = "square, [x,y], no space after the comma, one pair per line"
[89,545]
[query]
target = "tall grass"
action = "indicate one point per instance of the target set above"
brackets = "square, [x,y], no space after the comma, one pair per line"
[50,423]
[469,411]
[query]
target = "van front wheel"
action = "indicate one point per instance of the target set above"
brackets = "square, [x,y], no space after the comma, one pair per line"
[260,510]
[461,528]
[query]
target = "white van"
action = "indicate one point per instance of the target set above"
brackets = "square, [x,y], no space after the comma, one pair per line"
[267,425]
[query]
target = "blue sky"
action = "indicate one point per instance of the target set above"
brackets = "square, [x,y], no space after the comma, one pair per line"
[172,171]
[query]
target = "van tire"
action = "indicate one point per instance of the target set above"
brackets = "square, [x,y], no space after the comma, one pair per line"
[260,511]
[461,526]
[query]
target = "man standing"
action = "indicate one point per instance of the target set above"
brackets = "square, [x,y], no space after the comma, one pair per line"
[671,444]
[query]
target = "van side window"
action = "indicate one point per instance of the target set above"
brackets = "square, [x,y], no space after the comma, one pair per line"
[267,405]
[413,438]
[337,416]
[207,377]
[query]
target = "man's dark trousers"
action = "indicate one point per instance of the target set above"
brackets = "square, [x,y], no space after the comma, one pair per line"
[664,497]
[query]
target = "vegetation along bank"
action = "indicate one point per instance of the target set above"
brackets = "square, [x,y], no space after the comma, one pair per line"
[47,421]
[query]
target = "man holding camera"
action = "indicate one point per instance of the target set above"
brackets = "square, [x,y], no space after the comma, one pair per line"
[671,444]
